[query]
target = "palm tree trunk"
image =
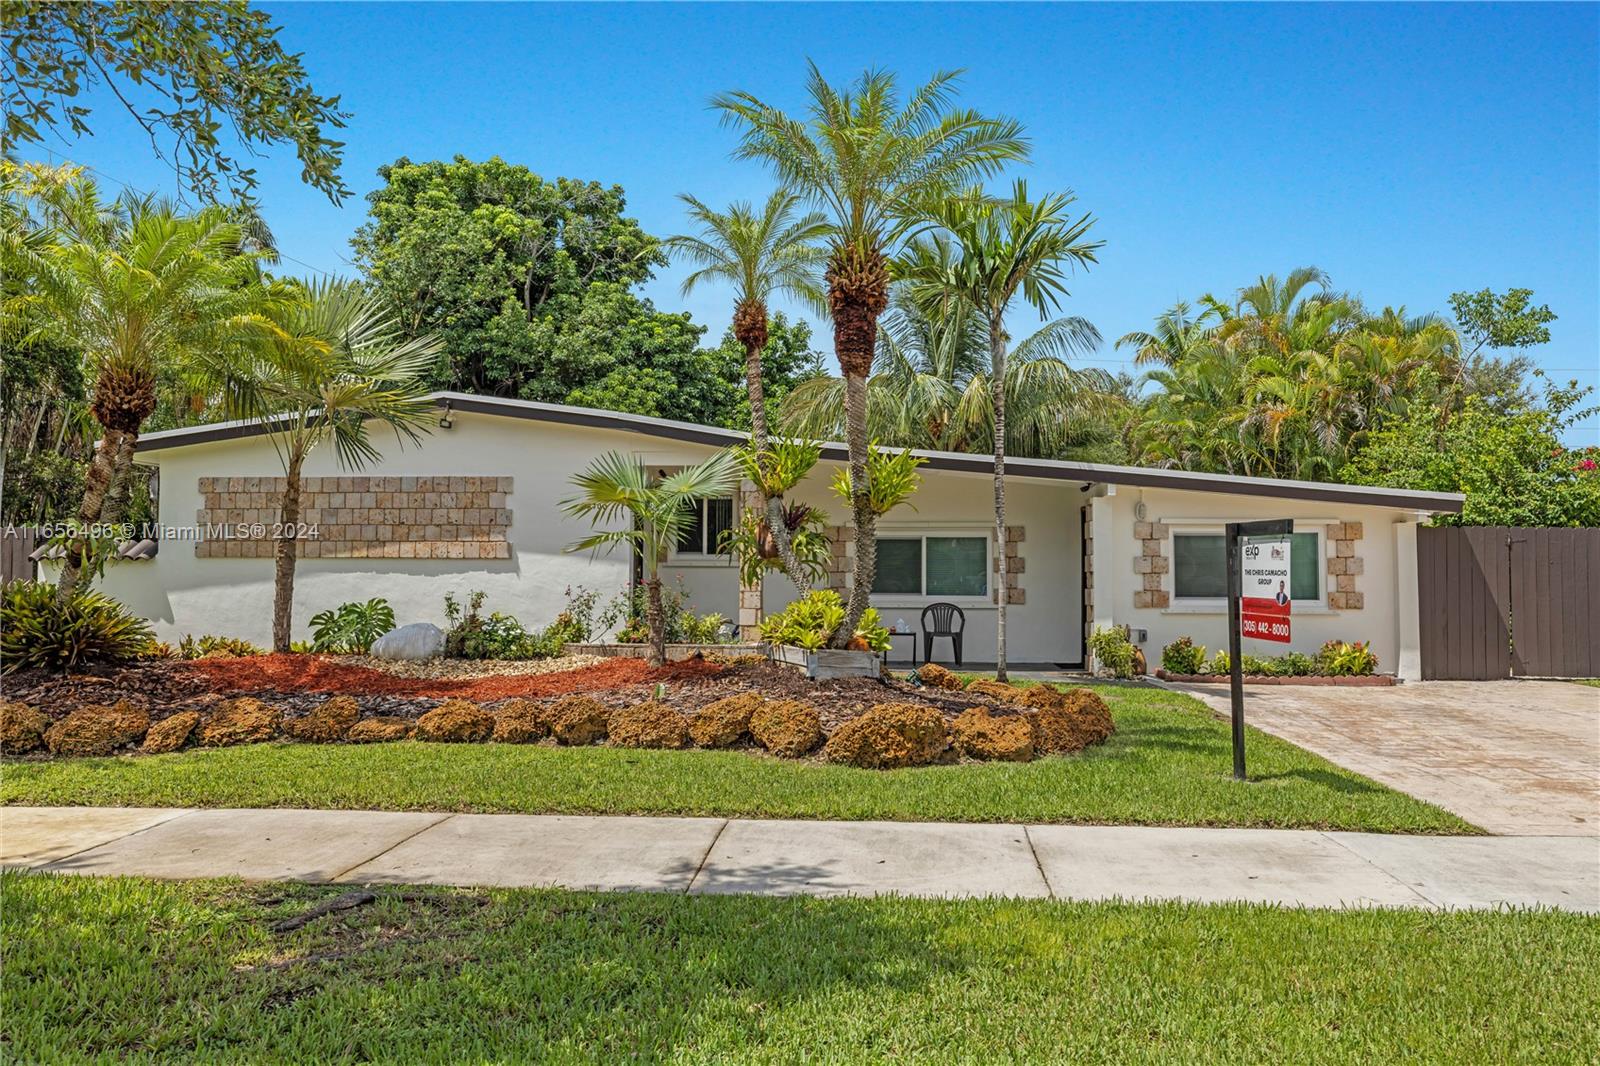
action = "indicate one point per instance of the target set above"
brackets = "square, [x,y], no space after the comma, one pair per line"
[283,557]
[116,501]
[997,389]
[866,543]
[96,484]
[655,620]
[758,398]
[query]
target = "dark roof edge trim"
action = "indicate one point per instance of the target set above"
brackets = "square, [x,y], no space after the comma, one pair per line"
[1060,470]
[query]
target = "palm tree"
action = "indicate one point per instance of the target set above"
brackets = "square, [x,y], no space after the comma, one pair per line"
[1177,334]
[334,362]
[651,514]
[866,161]
[761,254]
[1003,248]
[139,289]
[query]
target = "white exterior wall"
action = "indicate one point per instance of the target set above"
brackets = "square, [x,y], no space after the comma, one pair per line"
[1388,582]
[183,595]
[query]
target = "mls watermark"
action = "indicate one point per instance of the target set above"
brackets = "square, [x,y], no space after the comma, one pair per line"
[160,531]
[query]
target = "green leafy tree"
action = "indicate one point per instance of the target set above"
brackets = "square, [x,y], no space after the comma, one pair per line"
[787,361]
[1501,323]
[867,159]
[985,254]
[183,72]
[333,366]
[1514,469]
[525,281]
[647,514]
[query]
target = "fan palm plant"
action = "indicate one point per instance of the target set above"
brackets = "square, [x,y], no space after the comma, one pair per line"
[647,514]
[761,254]
[866,160]
[985,254]
[335,362]
[138,288]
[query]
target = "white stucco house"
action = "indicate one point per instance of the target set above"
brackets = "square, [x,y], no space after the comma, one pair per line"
[475,507]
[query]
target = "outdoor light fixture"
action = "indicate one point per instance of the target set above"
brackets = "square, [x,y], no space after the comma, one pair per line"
[444,419]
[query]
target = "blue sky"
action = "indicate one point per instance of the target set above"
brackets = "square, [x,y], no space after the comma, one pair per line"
[1410,151]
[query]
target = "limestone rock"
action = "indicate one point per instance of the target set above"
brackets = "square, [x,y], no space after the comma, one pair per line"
[22,728]
[419,640]
[578,720]
[456,721]
[520,722]
[97,730]
[328,721]
[245,720]
[171,733]
[787,728]
[981,735]
[648,725]
[726,722]
[376,730]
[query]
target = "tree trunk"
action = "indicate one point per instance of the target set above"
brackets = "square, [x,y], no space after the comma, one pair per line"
[758,397]
[96,484]
[655,620]
[785,543]
[866,543]
[284,557]
[116,501]
[997,389]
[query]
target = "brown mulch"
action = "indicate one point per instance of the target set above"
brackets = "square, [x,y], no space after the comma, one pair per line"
[297,683]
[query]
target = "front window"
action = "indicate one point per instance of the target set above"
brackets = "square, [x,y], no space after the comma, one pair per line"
[1200,566]
[709,520]
[938,567]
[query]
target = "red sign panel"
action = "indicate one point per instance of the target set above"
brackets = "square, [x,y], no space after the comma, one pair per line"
[1264,605]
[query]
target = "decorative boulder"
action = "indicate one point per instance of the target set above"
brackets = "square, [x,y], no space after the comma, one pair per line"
[245,720]
[995,690]
[328,721]
[171,733]
[726,722]
[787,728]
[578,720]
[935,676]
[889,736]
[97,730]
[1066,722]
[21,728]
[419,640]
[519,722]
[648,725]
[981,735]
[376,730]
[456,721]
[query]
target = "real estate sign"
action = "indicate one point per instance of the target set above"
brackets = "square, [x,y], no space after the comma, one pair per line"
[1264,590]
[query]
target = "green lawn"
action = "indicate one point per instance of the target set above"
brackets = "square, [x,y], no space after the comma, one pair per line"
[132,969]
[1168,764]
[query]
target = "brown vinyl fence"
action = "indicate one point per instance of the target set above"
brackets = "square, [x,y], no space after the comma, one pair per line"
[16,544]
[1503,601]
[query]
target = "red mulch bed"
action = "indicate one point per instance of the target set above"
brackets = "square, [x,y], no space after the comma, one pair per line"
[314,673]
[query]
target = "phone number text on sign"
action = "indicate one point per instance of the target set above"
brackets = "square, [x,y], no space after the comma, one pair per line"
[1264,600]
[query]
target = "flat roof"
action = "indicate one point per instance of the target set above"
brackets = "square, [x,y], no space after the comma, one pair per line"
[716,436]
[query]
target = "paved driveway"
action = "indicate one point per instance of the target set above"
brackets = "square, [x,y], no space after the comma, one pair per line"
[1515,757]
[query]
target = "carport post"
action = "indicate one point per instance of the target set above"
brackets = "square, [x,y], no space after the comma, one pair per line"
[1235,532]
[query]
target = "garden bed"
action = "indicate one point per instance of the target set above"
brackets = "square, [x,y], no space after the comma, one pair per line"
[675,652]
[1355,681]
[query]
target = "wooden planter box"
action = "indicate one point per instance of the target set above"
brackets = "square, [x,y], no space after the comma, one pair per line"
[827,664]
[1345,681]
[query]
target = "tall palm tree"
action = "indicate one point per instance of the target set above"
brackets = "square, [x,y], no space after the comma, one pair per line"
[648,514]
[761,254]
[1177,334]
[334,363]
[1003,248]
[866,161]
[139,288]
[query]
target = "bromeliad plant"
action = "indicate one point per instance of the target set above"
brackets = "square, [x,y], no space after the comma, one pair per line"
[892,478]
[753,544]
[648,514]
[812,621]
[351,628]
[37,631]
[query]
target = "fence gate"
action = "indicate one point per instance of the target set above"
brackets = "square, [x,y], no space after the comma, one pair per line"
[16,544]
[1501,601]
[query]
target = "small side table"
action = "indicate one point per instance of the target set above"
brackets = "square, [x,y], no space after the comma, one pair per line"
[912,633]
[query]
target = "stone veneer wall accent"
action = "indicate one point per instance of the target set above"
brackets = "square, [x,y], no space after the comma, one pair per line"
[1016,565]
[1088,576]
[839,553]
[1344,566]
[1151,564]
[746,498]
[360,517]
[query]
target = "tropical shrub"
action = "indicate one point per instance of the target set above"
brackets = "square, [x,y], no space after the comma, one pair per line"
[1183,656]
[1294,664]
[626,613]
[1339,659]
[351,628]
[892,478]
[208,646]
[499,636]
[752,544]
[1220,663]
[92,628]
[1112,650]
[811,622]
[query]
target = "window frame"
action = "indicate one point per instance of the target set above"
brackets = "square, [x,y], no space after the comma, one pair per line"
[1219,604]
[703,557]
[923,598]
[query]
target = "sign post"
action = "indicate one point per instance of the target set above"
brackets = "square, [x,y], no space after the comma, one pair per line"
[1237,531]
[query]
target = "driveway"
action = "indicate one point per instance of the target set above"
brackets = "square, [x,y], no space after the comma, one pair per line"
[1515,757]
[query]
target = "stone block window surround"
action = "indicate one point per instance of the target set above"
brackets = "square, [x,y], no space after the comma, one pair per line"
[361,517]
[1180,565]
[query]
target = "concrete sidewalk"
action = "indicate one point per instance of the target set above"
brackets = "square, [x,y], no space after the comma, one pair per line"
[714,855]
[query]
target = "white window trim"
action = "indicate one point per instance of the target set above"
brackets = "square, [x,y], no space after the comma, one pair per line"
[1219,605]
[920,600]
[691,559]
